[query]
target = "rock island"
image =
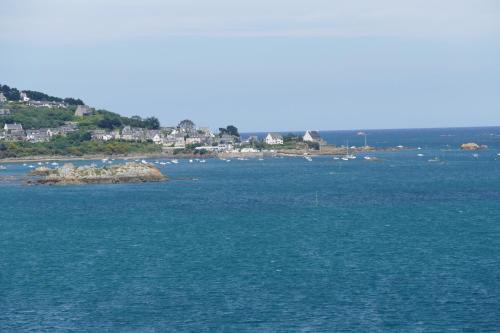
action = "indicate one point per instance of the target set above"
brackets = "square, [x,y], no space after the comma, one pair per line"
[71,174]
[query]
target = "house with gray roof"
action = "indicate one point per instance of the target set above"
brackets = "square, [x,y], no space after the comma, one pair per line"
[312,136]
[14,132]
[274,139]
[39,135]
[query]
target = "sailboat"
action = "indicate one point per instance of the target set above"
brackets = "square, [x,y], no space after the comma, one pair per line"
[347,155]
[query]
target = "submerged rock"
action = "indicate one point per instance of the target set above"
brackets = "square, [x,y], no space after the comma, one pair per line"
[120,173]
[472,146]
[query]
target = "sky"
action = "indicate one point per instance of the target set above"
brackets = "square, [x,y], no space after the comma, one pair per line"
[263,65]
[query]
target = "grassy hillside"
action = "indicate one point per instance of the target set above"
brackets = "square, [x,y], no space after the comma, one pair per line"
[75,144]
[42,117]
[33,118]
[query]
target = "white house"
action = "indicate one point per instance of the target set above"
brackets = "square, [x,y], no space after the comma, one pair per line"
[312,136]
[24,97]
[158,139]
[2,98]
[274,139]
[193,140]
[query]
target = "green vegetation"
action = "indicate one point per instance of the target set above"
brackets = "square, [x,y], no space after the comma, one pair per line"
[43,117]
[231,130]
[34,118]
[75,144]
[191,149]
[39,96]
[12,94]
[109,120]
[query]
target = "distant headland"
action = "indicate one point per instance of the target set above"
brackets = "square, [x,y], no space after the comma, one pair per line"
[37,126]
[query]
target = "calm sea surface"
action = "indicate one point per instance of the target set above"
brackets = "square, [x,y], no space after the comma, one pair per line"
[278,245]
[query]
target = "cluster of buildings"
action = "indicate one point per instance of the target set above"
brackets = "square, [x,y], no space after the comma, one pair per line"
[178,137]
[309,136]
[47,104]
[184,135]
[16,132]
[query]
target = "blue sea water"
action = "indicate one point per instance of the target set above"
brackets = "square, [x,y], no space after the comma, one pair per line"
[279,245]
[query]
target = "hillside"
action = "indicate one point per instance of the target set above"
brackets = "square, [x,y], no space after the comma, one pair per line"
[27,108]
[54,126]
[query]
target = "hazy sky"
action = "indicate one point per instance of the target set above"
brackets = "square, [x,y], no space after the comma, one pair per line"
[263,64]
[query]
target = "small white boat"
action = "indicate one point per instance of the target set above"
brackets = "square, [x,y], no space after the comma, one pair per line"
[31,166]
[39,163]
[308,158]
[202,161]
[190,161]
[435,159]
[261,159]
[336,158]
[344,159]
[475,155]
[419,148]
[24,164]
[175,161]
[367,158]
[2,167]
[228,160]
[420,155]
[54,163]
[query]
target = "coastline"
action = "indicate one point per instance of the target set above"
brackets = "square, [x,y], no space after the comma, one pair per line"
[47,158]
[331,151]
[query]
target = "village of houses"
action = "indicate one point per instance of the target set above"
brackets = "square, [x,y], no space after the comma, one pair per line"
[175,137]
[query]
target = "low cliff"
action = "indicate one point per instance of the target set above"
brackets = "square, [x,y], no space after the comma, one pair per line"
[121,173]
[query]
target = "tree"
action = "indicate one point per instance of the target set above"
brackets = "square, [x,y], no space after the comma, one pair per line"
[73,101]
[186,124]
[151,123]
[12,94]
[39,96]
[109,123]
[232,130]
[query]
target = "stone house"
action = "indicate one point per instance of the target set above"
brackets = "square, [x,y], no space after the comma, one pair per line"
[133,134]
[14,132]
[83,110]
[39,135]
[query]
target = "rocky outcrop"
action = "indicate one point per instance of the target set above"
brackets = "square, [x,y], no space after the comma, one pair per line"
[121,173]
[472,146]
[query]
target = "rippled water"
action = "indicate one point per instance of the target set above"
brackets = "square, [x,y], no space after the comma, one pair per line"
[283,244]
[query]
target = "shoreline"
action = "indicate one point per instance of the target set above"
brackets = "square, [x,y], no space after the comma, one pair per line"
[47,158]
[290,153]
